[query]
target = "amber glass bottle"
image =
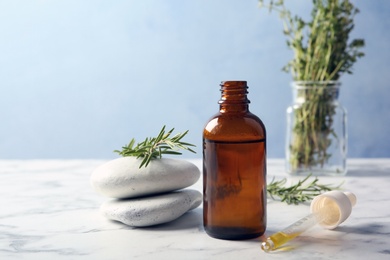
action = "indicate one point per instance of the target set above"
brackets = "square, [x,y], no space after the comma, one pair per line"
[234,168]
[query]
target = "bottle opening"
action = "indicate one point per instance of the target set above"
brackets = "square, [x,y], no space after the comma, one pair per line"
[234,92]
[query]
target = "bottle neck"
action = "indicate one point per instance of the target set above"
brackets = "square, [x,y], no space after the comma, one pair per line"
[234,97]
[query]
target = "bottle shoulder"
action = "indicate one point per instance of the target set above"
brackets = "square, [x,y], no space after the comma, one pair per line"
[234,127]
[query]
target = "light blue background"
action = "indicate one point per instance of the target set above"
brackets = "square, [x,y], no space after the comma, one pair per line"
[79,79]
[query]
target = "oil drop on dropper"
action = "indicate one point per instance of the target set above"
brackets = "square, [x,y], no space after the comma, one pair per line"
[329,210]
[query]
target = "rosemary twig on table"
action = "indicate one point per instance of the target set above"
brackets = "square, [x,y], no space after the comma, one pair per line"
[300,192]
[155,147]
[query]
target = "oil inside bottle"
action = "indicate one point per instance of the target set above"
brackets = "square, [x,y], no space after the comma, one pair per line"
[234,188]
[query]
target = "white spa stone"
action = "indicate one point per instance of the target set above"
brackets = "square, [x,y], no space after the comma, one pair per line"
[153,210]
[121,178]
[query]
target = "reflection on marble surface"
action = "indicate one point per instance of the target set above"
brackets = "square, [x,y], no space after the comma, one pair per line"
[49,211]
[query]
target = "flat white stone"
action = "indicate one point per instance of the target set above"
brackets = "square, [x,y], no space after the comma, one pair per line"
[122,178]
[153,210]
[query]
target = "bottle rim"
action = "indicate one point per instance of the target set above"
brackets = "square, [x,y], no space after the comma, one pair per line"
[315,84]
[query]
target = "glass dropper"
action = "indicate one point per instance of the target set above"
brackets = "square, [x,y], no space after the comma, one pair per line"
[329,210]
[280,238]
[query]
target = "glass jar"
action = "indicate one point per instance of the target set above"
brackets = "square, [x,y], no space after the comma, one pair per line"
[316,141]
[234,168]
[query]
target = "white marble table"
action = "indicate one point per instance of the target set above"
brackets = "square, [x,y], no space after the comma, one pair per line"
[49,211]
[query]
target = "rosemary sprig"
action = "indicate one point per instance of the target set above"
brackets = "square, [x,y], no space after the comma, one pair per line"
[155,147]
[323,52]
[298,193]
[322,48]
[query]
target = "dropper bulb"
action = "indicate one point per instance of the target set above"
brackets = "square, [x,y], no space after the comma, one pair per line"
[336,205]
[351,197]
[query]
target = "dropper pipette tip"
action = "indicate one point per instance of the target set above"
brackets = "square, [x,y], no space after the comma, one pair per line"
[267,245]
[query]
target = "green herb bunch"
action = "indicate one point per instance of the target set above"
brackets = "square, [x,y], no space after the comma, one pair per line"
[322,53]
[155,147]
[321,46]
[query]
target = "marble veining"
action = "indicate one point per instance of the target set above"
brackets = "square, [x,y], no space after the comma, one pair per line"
[49,211]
